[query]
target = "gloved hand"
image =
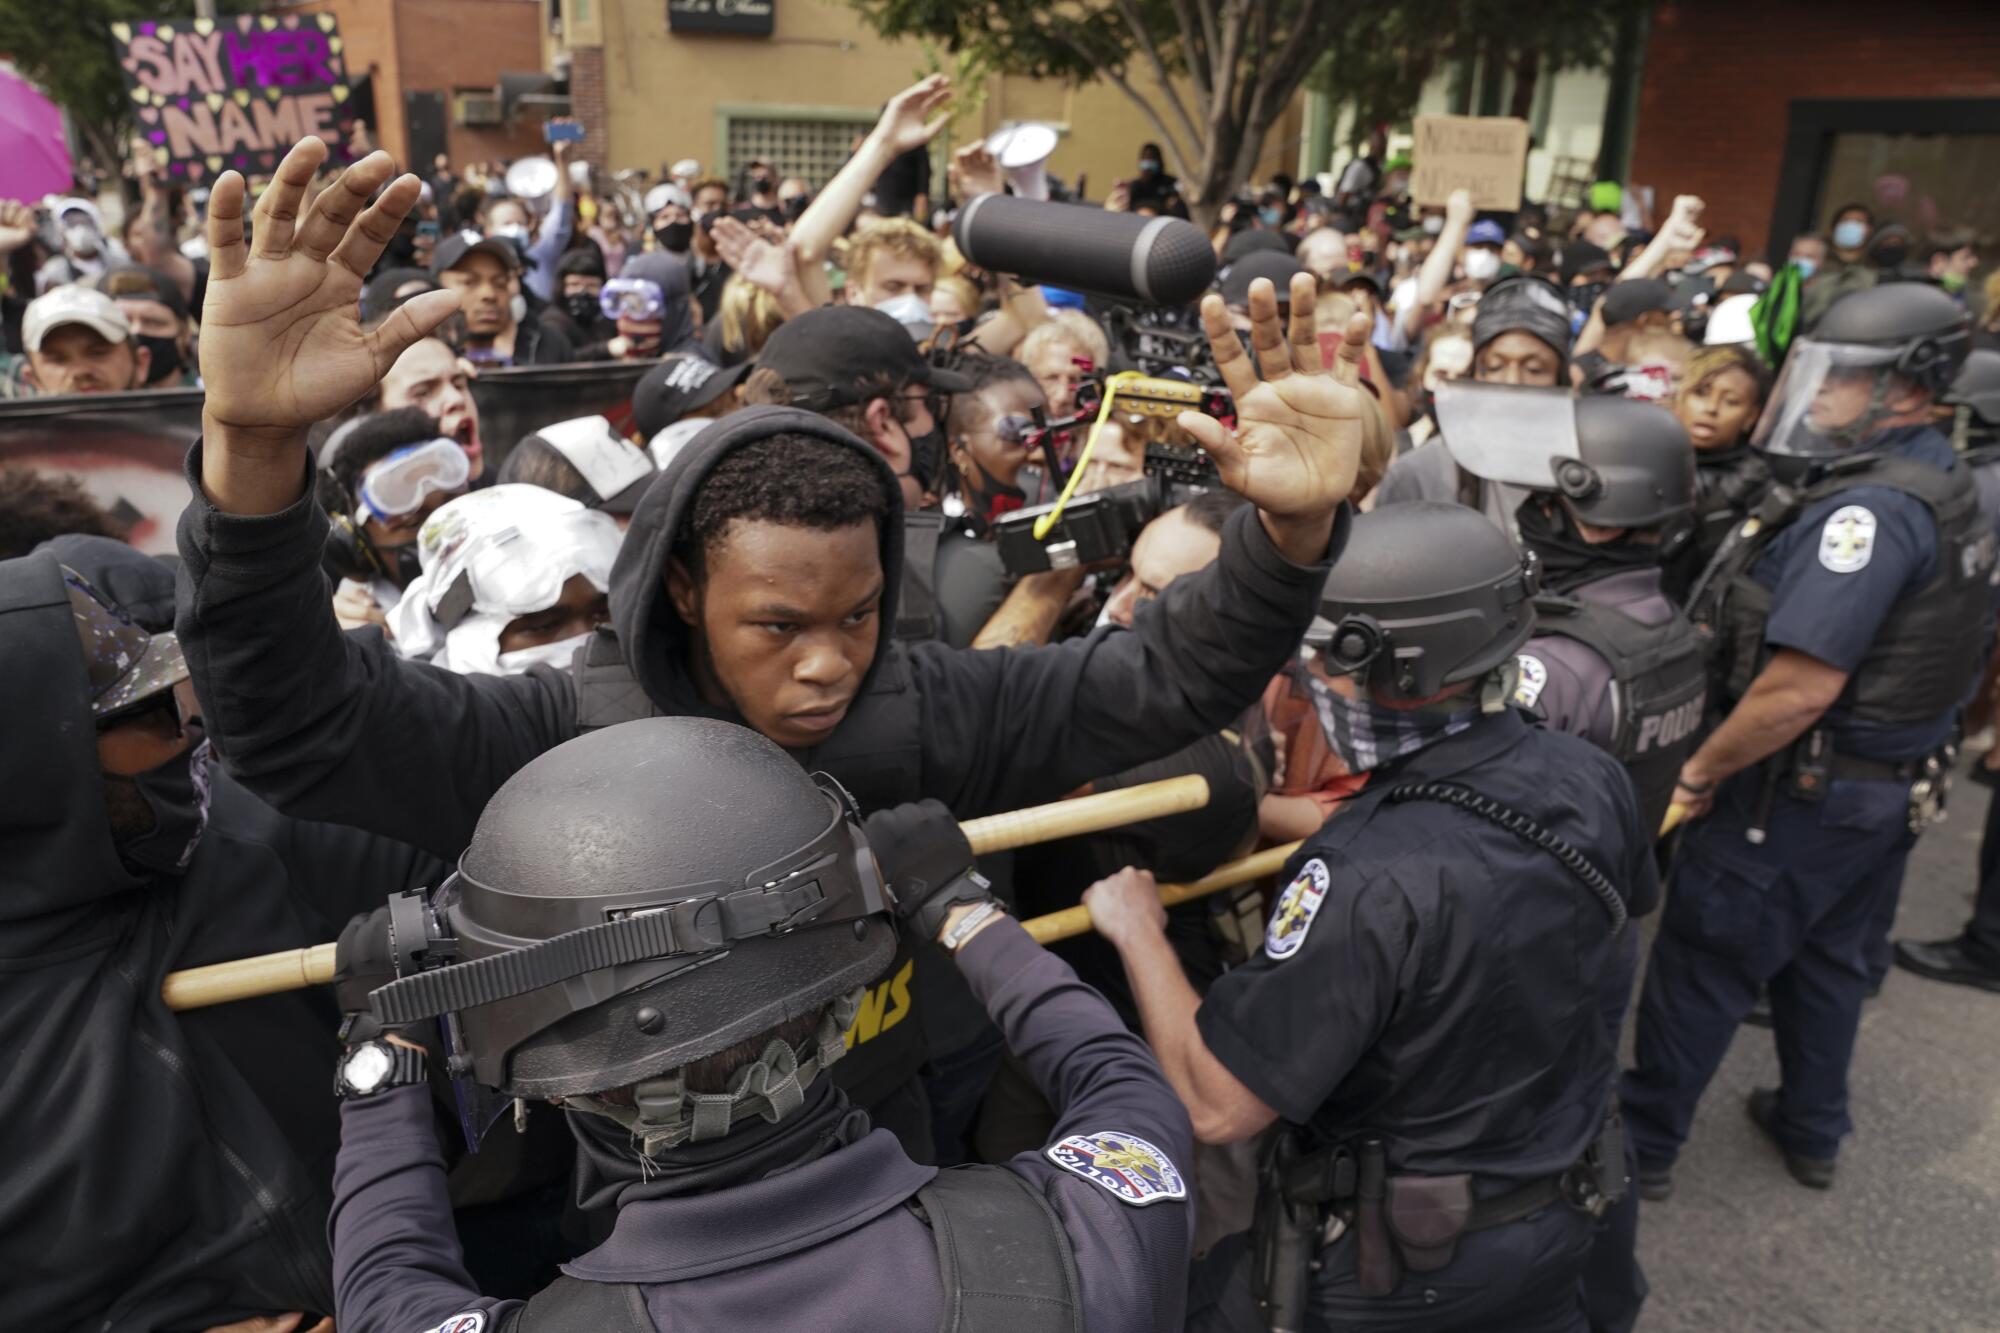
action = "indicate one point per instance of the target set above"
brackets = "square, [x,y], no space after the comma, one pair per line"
[927,862]
[363,960]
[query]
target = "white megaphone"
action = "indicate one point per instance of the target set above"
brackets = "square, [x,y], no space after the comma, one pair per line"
[1023,153]
[532,178]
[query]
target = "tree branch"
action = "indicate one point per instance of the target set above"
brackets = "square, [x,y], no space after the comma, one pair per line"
[1124,85]
[1194,34]
[1130,10]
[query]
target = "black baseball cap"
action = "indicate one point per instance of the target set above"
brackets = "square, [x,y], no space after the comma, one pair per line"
[1235,281]
[826,356]
[683,382]
[1628,300]
[452,250]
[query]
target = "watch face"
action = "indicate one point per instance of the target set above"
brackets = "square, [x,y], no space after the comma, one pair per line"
[367,1067]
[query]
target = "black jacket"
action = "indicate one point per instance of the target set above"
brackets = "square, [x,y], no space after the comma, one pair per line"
[162,1170]
[338,727]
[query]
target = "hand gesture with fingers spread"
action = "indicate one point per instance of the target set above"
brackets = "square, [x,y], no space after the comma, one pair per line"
[281,339]
[1297,442]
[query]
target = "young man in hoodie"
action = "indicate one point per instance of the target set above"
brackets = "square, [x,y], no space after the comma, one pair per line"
[778,626]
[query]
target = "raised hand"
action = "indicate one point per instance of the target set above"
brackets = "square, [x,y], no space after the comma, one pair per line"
[281,339]
[974,172]
[911,120]
[17,225]
[1297,443]
[774,266]
[1458,210]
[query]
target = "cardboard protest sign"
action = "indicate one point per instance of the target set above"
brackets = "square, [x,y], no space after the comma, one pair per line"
[1483,154]
[213,94]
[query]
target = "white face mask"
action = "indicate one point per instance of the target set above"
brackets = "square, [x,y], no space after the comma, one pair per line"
[1481,264]
[558,654]
[81,239]
[518,307]
[512,231]
[911,311]
[1434,225]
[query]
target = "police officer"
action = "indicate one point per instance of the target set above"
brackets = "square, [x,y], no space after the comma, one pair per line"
[1425,1013]
[1520,337]
[1851,620]
[1611,484]
[677,976]
[1972,958]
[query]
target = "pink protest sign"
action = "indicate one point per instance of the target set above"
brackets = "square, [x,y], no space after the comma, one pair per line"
[235,92]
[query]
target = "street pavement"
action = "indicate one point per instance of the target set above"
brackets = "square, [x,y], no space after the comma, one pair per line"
[1908,1239]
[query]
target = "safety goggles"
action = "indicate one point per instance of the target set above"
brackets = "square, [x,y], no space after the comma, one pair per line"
[632,298]
[1019,430]
[396,486]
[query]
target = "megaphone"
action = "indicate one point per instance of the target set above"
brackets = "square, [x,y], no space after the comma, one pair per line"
[532,178]
[1023,153]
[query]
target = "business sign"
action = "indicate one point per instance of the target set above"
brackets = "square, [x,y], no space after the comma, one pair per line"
[1483,154]
[746,16]
[212,94]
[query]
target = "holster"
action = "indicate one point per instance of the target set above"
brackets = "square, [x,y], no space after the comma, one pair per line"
[1294,1186]
[1427,1215]
[1376,1271]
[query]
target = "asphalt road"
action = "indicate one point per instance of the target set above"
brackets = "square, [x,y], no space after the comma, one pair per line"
[1908,1239]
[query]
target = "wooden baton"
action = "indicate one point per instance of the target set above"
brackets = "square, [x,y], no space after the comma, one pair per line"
[295,969]
[1073,921]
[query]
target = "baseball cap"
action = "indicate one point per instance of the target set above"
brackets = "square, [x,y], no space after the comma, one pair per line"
[73,305]
[123,662]
[1235,280]
[1486,232]
[683,382]
[145,284]
[616,470]
[452,250]
[825,356]
[666,192]
[1628,300]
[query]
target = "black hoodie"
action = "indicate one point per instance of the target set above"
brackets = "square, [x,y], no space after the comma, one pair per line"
[161,1171]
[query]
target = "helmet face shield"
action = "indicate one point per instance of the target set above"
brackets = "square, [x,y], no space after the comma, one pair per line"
[1830,398]
[1515,436]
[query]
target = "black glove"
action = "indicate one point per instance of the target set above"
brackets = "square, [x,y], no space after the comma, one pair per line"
[927,862]
[364,960]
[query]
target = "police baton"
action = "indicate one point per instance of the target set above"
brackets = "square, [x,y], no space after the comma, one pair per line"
[295,969]
[1073,921]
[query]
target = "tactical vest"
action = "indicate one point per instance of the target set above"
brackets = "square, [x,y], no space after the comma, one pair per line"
[1724,492]
[877,755]
[916,600]
[1005,1261]
[1931,646]
[1659,689]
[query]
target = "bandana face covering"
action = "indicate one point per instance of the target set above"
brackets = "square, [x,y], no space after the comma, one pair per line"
[177,792]
[1364,735]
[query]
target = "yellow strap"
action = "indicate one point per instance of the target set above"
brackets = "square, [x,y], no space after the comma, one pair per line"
[1111,386]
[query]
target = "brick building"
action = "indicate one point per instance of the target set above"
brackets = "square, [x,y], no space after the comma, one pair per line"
[1778,112]
[433,68]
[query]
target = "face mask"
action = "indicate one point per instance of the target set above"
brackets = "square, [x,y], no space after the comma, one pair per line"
[1890,256]
[166,356]
[558,654]
[1952,282]
[1482,265]
[1271,216]
[762,184]
[401,252]
[177,794]
[518,307]
[583,307]
[674,236]
[513,231]
[1363,735]
[794,208]
[1433,225]
[1584,299]
[1806,267]
[80,238]
[926,454]
[1150,166]
[911,311]
[1850,235]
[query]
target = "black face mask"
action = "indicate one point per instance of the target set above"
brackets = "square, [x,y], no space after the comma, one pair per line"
[794,208]
[674,237]
[926,454]
[1568,561]
[166,356]
[1584,299]
[1890,256]
[584,308]
[176,796]
[401,251]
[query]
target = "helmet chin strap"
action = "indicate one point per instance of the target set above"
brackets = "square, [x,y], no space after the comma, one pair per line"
[665,1114]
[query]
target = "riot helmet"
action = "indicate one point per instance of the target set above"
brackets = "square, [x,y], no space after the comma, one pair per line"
[636,899]
[1871,353]
[1424,596]
[1615,462]
[1974,398]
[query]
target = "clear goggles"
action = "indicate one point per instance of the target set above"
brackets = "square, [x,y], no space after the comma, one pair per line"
[1829,398]
[516,570]
[396,485]
[632,298]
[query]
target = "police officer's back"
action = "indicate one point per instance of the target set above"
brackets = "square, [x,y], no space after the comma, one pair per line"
[697,915]
[1425,1013]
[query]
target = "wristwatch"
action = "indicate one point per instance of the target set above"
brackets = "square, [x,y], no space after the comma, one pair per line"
[377,1066]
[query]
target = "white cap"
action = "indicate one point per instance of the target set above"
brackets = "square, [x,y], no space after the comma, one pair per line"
[1729,322]
[72,304]
[74,203]
[686,169]
[666,192]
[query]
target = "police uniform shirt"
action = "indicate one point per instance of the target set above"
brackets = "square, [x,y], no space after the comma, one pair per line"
[1567,684]
[1838,571]
[1430,977]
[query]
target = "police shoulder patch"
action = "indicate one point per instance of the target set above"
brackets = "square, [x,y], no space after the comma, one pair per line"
[472,1321]
[1534,676]
[1847,542]
[1133,1170]
[1297,906]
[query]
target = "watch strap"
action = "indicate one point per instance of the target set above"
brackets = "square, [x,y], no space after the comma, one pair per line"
[929,915]
[406,1068]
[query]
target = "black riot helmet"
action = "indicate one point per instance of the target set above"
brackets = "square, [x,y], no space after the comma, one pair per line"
[1840,386]
[1616,462]
[1424,596]
[638,898]
[1975,398]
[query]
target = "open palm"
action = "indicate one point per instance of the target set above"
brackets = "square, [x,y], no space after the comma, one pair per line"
[281,339]
[1297,443]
